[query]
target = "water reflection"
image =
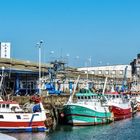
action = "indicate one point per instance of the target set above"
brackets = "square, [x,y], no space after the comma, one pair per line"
[122,130]
[29,136]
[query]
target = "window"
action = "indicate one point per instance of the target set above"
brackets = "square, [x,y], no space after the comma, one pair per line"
[3,105]
[100,72]
[7,106]
[18,116]
[93,71]
[113,72]
[106,72]
[121,72]
[88,97]
[1,117]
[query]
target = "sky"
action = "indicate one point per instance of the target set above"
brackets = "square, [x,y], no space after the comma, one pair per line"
[83,32]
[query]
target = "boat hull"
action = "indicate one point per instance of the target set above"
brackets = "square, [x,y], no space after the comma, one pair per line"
[121,113]
[23,129]
[80,115]
[22,122]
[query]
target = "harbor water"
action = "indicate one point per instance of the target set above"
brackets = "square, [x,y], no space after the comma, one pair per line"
[128,129]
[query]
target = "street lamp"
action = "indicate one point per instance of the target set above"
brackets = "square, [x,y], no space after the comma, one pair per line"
[39,59]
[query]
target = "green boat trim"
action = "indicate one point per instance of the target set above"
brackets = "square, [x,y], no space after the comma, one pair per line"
[88,109]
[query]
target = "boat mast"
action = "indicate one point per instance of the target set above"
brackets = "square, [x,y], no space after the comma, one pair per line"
[104,86]
[71,96]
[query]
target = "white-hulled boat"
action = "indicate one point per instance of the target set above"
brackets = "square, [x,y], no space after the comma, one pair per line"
[30,118]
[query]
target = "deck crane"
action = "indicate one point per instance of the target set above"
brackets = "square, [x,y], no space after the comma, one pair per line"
[124,82]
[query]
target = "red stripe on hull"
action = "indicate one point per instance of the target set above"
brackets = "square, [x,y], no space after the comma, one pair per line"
[21,124]
[120,113]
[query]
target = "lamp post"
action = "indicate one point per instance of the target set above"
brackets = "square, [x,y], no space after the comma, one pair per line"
[39,59]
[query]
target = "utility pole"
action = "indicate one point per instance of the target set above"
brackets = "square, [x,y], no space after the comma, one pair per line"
[39,59]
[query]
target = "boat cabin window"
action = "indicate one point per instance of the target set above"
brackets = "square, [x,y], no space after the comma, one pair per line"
[18,116]
[79,97]
[1,117]
[88,97]
[85,97]
[113,96]
[82,97]
[7,105]
[117,96]
[3,105]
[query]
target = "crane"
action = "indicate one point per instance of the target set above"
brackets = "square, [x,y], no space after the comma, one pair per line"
[124,82]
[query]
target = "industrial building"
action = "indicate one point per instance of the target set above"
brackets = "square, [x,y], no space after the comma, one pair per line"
[116,73]
[20,77]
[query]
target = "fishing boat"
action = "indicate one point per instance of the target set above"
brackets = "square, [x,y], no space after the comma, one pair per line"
[15,118]
[29,118]
[86,109]
[119,105]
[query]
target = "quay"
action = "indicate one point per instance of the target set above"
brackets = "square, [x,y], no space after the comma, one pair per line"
[21,80]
